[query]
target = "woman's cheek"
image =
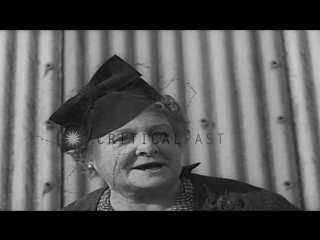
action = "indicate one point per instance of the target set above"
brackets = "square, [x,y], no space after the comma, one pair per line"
[126,155]
[170,151]
[104,158]
[118,157]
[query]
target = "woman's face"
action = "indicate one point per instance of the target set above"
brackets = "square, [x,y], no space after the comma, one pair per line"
[143,154]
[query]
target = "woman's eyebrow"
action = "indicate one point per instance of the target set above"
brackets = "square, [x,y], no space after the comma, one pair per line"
[130,130]
[122,130]
[159,126]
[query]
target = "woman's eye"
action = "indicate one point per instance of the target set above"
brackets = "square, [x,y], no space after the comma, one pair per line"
[125,138]
[161,134]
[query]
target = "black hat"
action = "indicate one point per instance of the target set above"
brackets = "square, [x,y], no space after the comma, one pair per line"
[114,96]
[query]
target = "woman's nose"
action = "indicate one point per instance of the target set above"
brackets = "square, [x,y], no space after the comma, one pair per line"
[146,146]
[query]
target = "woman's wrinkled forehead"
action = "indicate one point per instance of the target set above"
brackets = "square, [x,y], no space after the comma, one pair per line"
[146,122]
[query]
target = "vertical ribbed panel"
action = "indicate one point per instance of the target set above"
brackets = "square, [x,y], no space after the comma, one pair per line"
[247,87]
[304,88]
[168,64]
[280,152]
[196,94]
[21,119]
[6,74]
[224,106]
[3,90]
[30,161]
[48,78]
[252,98]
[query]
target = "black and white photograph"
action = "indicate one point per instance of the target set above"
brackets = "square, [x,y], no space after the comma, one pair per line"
[159,120]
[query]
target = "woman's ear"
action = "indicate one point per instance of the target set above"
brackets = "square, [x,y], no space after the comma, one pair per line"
[95,165]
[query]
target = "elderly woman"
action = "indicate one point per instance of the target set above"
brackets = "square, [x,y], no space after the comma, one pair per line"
[128,133]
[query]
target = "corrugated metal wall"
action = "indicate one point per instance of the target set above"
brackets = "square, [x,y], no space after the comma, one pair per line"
[256,92]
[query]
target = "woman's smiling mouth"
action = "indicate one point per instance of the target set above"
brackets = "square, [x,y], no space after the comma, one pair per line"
[149,166]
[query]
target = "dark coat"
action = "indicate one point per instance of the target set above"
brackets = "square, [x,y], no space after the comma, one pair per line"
[211,194]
